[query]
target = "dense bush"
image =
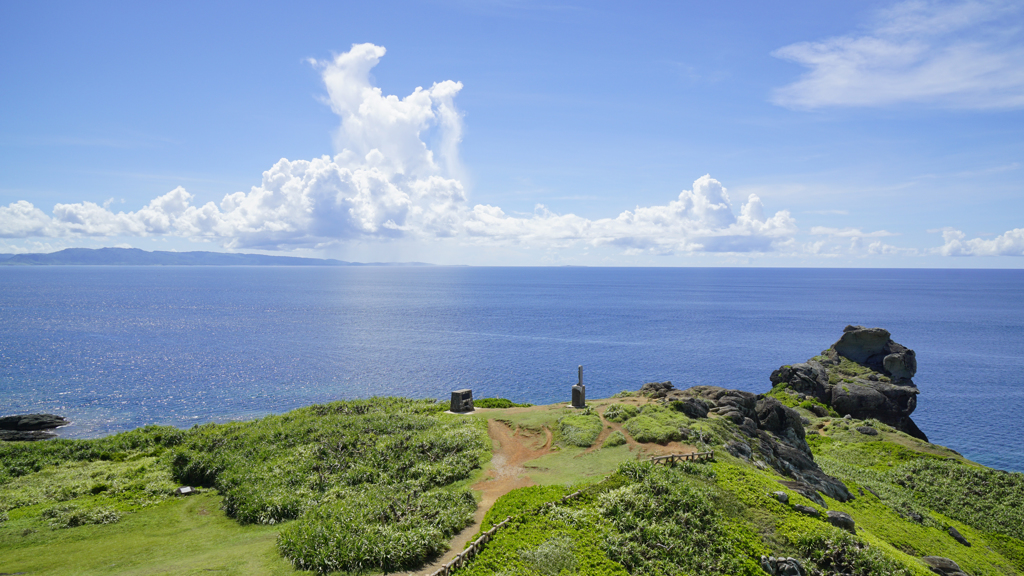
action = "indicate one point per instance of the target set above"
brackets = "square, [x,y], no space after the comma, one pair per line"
[580,430]
[358,476]
[990,500]
[667,523]
[838,553]
[376,528]
[614,439]
[620,412]
[498,403]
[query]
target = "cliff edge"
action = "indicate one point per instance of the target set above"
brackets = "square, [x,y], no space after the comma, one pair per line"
[865,374]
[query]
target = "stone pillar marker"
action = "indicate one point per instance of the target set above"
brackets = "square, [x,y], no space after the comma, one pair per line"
[462,400]
[579,392]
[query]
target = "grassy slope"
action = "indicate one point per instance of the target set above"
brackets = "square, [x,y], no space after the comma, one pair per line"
[192,535]
[180,536]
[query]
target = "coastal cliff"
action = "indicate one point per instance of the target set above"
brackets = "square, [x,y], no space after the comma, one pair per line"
[864,374]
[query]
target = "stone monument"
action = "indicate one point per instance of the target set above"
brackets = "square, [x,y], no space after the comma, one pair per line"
[462,400]
[579,392]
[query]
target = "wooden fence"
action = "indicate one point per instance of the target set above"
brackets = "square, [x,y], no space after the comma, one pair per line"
[477,545]
[693,456]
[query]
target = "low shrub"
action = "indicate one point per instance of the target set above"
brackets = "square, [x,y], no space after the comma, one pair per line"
[644,428]
[614,439]
[661,505]
[553,557]
[580,430]
[620,412]
[836,552]
[67,516]
[498,403]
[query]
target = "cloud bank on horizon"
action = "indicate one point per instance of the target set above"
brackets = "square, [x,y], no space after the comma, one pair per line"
[397,175]
[387,183]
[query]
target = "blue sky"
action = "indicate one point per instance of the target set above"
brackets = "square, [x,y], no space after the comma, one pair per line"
[652,134]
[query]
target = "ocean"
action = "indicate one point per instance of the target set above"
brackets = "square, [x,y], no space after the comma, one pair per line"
[113,348]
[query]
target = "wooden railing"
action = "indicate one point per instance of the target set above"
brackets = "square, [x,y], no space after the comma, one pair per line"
[693,456]
[477,545]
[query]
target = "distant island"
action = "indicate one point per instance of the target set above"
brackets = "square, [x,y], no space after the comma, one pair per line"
[137,257]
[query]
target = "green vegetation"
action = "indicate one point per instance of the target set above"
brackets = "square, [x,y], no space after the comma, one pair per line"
[382,485]
[498,403]
[659,425]
[581,430]
[614,439]
[620,412]
[373,483]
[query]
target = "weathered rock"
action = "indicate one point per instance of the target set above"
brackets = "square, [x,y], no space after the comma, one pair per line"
[25,435]
[781,566]
[738,449]
[692,407]
[842,520]
[805,490]
[656,389]
[749,427]
[780,496]
[867,430]
[807,510]
[943,566]
[958,536]
[30,427]
[867,395]
[32,422]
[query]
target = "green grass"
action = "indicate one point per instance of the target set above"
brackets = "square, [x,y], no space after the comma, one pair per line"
[183,536]
[403,461]
[498,403]
[581,430]
[621,412]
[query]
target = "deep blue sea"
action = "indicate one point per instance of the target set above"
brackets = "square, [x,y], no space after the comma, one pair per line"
[114,348]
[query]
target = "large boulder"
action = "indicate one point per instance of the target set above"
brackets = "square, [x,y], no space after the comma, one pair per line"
[25,422]
[881,388]
[943,566]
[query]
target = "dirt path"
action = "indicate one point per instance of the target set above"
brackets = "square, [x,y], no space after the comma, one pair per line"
[512,449]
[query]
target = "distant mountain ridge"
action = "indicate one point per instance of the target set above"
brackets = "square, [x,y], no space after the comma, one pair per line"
[138,257]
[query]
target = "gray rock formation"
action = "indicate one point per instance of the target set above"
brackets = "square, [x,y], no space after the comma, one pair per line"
[32,422]
[30,427]
[880,387]
[842,520]
[774,434]
[958,536]
[656,389]
[943,566]
[781,566]
[807,510]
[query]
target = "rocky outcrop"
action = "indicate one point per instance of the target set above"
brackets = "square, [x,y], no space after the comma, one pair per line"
[943,566]
[27,427]
[770,433]
[841,520]
[781,566]
[864,374]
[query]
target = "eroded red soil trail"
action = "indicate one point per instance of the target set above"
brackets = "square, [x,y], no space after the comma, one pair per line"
[512,449]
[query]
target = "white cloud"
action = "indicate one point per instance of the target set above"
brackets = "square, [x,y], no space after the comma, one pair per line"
[849,232]
[1010,243]
[963,54]
[397,175]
